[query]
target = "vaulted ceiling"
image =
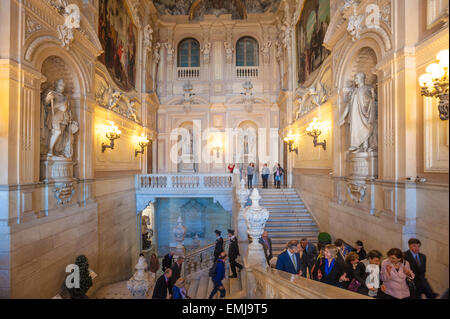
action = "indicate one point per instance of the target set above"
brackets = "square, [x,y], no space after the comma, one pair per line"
[196,9]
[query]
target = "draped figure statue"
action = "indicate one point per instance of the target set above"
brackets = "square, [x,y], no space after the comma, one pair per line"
[361,110]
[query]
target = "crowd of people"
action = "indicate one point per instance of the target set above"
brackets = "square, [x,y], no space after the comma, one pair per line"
[252,175]
[402,275]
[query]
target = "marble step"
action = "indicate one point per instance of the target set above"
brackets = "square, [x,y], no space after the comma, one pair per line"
[291,229]
[235,285]
[292,234]
[285,214]
[291,221]
[202,287]
[193,287]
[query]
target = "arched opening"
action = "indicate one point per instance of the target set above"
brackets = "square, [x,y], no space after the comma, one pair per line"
[247,52]
[189,53]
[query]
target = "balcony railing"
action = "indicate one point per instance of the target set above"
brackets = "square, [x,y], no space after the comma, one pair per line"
[189,73]
[247,72]
[185,181]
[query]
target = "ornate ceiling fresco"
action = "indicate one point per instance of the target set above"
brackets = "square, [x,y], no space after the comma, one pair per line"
[196,9]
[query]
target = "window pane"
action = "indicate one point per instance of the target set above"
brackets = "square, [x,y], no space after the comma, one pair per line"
[247,52]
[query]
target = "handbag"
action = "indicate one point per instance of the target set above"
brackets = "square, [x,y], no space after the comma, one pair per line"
[411,284]
[354,285]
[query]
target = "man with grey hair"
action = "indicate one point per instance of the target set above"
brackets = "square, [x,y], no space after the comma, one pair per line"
[266,242]
[289,260]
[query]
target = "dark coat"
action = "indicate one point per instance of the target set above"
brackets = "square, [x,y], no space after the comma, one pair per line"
[333,276]
[233,249]
[219,247]
[362,253]
[220,272]
[167,262]
[359,273]
[284,263]
[161,288]
[422,285]
[267,250]
[176,273]
[310,255]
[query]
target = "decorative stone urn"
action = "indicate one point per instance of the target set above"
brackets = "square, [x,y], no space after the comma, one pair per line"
[256,217]
[140,283]
[180,233]
[242,194]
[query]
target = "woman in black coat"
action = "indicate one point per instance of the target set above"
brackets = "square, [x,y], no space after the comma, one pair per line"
[355,271]
[327,269]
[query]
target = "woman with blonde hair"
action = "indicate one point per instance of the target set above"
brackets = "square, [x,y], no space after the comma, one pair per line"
[327,269]
[179,290]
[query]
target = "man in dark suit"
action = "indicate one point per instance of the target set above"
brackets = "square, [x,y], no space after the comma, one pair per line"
[167,261]
[219,245]
[233,253]
[289,260]
[162,286]
[309,256]
[176,272]
[267,245]
[418,264]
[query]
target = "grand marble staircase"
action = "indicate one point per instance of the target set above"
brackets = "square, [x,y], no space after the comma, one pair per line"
[289,219]
[201,287]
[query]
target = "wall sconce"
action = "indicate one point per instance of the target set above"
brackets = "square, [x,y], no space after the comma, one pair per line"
[289,140]
[434,83]
[217,146]
[143,143]
[112,133]
[314,130]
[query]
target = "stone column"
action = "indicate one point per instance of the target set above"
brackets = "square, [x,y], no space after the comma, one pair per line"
[256,217]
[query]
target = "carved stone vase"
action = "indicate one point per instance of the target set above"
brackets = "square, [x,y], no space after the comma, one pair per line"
[256,217]
[140,283]
[180,233]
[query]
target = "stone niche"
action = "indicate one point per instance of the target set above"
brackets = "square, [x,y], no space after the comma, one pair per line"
[58,128]
[359,120]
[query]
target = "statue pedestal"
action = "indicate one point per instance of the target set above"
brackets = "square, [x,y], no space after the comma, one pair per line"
[56,169]
[363,165]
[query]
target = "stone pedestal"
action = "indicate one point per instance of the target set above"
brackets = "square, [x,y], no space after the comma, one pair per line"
[180,232]
[56,169]
[363,165]
[256,217]
[242,194]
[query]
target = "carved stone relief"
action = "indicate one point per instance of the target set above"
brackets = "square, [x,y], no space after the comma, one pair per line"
[309,98]
[71,21]
[31,26]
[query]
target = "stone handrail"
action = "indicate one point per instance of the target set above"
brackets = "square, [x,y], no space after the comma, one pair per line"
[184,181]
[184,73]
[244,72]
[276,284]
[200,259]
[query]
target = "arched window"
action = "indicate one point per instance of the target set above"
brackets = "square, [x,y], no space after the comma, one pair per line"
[247,52]
[189,53]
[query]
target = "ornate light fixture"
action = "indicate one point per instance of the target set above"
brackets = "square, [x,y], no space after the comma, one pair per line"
[290,140]
[217,146]
[143,143]
[314,130]
[434,83]
[112,133]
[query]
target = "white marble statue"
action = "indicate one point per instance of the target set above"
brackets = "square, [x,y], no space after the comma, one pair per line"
[72,19]
[148,37]
[266,51]
[57,124]
[206,51]
[228,52]
[361,110]
[170,52]
[156,54]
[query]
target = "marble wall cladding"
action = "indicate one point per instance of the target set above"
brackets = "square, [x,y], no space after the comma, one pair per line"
[200,215]
[420,211]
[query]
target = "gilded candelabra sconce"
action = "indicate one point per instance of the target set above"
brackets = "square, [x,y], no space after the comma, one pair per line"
[314,130]
[143,143]
[112,133]
[290,140]
[434,83]
[217,146]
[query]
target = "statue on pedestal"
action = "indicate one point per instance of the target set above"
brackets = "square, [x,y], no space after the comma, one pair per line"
[57,126]
[361,108]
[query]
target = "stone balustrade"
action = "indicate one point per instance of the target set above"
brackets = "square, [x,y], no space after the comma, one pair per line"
[247,72]
[184,181]
[200,259]
[188,73]
[276,284]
